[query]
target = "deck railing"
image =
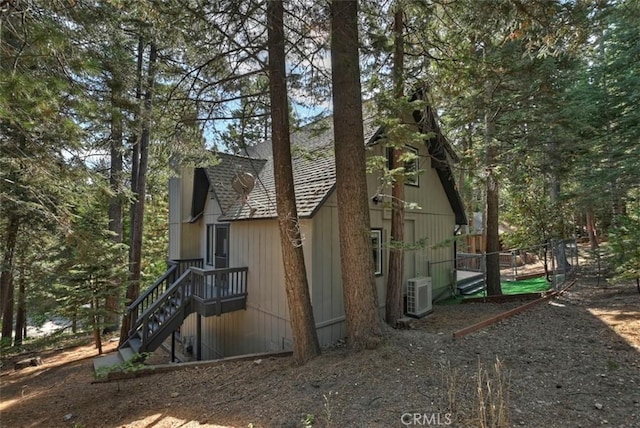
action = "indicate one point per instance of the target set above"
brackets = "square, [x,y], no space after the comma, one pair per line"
[216,283]
[184,264]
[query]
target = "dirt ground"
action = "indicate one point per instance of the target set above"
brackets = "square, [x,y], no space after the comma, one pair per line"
[573,361]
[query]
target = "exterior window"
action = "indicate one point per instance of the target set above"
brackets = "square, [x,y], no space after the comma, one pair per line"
[376,243]
[411,167]
[210,244]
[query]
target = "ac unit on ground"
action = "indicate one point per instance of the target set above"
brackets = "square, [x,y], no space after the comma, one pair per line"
[419,296]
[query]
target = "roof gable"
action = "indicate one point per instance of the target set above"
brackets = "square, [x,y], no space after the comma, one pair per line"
[314,172]
[442,154]
[222,174]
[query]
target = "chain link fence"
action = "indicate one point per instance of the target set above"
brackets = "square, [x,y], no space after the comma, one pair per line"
[557,260]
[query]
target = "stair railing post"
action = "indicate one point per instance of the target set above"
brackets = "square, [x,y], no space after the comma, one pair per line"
[199,336]
[133,317]
[217,282]
[173,346]
[552,244]
[183,286]
[145,330]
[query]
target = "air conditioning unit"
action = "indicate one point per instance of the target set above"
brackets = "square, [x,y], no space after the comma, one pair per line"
[419,296]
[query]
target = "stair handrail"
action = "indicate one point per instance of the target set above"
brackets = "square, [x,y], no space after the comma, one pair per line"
[168,276]
[155,286]
[143,318]
[176,268]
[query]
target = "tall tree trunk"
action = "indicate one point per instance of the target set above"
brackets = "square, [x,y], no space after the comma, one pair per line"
[358,282]
[591,229]
[394,307]
[494,287]
[95,321]
[21,313]
[305,338]
[464,174]
[112,303]
[6,276]
[554,174]
[137,224]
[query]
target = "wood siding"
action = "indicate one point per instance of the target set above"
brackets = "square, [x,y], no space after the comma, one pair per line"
[326,282]
[184,237]
[264,325]
[432,223]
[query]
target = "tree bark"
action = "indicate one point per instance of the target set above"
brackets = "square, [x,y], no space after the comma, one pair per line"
[113,301]
[305,338]
[358,282]
[591,229]
[6,276]
[394,307]
[21,313]
[137,224]
[494,287]
[95,321]
[554,173]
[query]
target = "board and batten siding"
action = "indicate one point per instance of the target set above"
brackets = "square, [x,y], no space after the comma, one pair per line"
[184,237]
[175,217]
[326,279]
[433,221]
[264,325]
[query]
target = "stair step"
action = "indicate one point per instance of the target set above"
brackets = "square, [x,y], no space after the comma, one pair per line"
[157,323]
[164,315]
[470,285]
[108,360]
[126,353]
[135,343]
[470,278]
[472,290]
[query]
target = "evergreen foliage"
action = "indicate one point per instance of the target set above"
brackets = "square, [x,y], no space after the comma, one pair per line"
[548,89]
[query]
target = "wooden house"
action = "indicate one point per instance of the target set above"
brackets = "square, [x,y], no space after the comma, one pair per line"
[227,275]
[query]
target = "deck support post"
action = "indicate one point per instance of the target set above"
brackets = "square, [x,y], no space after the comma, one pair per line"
[173,346]
[199,336]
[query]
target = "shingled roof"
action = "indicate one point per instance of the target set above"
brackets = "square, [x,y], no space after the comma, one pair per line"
[314,174]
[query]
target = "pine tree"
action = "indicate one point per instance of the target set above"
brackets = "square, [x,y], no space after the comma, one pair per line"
[305,346]
[363,323]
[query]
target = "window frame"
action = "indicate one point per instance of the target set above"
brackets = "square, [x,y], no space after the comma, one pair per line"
[413,166]
[378,265]
[210,245]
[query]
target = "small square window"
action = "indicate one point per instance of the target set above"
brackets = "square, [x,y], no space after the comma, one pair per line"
[411,167]
[376,243]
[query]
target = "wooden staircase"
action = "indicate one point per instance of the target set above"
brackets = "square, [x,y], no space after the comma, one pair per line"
[471,285]
[470,271]
[185,288]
